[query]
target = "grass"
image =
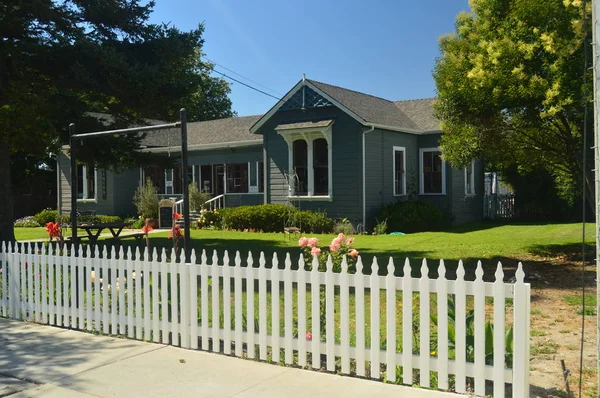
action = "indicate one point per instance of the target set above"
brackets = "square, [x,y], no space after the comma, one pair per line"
[470,242]
[577,301]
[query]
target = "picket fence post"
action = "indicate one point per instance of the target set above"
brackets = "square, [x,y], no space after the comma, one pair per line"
[274,308]
[424,333]
[226,305]
[521,335]
[375,316]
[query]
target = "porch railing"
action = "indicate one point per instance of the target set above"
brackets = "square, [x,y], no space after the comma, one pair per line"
[218,202]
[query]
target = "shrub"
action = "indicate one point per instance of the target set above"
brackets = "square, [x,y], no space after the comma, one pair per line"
[315,222]
[268,217]
[380,228]
[197,198]
[273,218]
[26,222]
[46,216]
[413,216]
[211,219]
[146,200]
[103,219]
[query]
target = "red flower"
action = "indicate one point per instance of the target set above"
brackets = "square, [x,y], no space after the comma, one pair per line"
[176,216]
[53,229]
[147,228]
[308,336]
[175,232]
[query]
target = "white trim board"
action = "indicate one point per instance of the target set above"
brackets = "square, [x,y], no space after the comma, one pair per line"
[421,179]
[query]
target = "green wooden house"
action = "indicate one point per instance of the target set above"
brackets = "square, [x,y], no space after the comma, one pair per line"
[321,147]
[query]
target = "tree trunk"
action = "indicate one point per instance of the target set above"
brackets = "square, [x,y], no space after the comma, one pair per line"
[7,232]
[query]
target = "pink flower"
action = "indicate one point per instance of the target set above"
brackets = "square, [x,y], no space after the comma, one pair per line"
[349,241]
[335,246]
[315,251]
[313,242]
[308,336]
[340,236]
[353,253]
[302,242]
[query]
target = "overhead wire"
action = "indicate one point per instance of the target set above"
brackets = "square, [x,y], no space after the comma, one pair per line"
[240,75]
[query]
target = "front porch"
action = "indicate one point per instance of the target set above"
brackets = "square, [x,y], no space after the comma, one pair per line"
[229,184]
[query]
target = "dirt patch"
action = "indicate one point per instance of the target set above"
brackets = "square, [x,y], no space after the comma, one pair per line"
[556,327]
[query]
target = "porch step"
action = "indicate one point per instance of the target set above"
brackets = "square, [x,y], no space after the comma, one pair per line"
[194,216]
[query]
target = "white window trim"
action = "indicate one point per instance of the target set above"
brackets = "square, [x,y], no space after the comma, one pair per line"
[403,150]
[472,166]
[85,199]
[309,135]
[421,176]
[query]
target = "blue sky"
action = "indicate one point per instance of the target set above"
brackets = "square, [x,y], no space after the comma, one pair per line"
[384,48]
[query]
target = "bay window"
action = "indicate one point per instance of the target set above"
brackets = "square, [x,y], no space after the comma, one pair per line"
[309,156]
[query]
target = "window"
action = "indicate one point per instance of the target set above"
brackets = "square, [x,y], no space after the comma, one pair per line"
[237,178]
[399,171]
[470,179]
[206,178]
[433,173]
[321,166]
[86,182]
[261,176]
[300,176]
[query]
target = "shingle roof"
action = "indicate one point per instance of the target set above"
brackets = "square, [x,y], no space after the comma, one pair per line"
[421,112]
[220,131]
[304,125]
[368,107]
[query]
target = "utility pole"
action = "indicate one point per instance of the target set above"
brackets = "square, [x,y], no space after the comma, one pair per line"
[596,66]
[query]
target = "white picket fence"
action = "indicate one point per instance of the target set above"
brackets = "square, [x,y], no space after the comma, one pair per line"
[186,305]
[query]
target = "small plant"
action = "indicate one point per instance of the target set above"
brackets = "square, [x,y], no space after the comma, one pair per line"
[175,232]
[146,200]
[380,228]
[343,226]
[410,216]
[197,198]
[470,336]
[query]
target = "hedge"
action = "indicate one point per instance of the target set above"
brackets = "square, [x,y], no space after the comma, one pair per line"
[413,216]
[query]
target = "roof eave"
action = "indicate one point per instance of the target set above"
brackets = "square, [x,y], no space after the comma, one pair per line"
[404,129]
[218,145]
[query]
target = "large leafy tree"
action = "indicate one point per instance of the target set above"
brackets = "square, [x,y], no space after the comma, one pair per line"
[61,61]
[510,84]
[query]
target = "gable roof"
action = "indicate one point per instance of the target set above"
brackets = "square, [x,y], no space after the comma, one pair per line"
[416,116]
[209,133]
[421,112]
[370,108]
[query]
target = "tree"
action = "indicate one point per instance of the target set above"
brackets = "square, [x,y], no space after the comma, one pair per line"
[61,60]
[510,88]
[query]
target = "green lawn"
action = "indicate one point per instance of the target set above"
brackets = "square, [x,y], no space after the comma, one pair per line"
[481,241]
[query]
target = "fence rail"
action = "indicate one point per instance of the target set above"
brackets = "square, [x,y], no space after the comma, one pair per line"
[303,317]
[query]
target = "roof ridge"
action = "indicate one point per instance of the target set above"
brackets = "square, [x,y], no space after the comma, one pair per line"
[348,89]
[415,99]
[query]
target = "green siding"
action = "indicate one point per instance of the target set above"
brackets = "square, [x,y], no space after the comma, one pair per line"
[101,205]
[346,162]
[226,155]
[379,159]
[467,208]
[441,201]
[125,185]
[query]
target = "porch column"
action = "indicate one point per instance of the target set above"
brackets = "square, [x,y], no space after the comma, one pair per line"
[309,166]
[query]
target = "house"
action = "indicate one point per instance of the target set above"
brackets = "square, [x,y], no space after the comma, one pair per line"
[321,147]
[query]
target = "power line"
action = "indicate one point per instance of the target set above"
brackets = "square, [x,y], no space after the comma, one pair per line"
[242,76]
[245,84]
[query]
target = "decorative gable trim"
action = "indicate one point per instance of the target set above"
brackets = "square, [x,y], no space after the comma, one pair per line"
[298,88]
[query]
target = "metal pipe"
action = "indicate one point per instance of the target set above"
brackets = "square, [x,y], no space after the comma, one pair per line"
[187,241]
[143,129]
[74,189]
[596,68]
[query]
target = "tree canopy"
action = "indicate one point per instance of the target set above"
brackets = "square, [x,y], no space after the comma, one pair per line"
[511,90]
[65,61]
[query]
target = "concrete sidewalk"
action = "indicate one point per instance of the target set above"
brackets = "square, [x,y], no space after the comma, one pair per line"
[44,361]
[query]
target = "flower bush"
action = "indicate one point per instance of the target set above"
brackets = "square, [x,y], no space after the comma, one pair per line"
[211,219]
[26,222]
[339,247]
